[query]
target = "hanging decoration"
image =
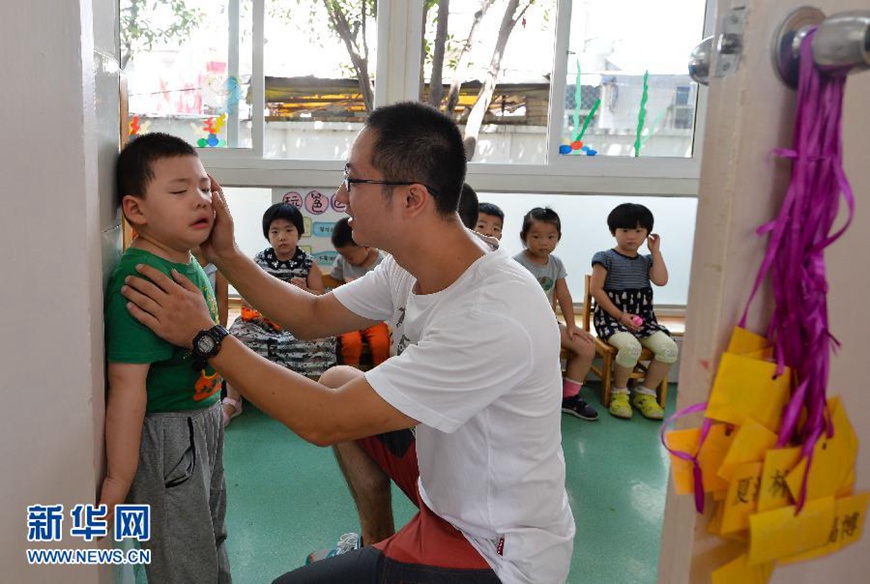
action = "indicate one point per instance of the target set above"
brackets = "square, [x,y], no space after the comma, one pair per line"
[641,114]
[775,452]
[212,127]
[576,146]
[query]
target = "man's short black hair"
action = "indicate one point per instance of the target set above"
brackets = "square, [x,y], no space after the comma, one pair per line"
[415,142]
[543,214]
[133,169]
[629,216]
[491,209]
[342,234]
[468,206]
[284,211]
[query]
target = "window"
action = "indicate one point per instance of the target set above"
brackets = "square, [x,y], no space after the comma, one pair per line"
[320,60]
[622,74]
[188,68]
[488,80]
[293,101]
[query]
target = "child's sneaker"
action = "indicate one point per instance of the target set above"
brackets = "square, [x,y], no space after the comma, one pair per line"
[619,406]
[648,406]
[346,543]
[578,408]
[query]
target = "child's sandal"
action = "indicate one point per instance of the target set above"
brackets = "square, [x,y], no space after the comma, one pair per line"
[236,405]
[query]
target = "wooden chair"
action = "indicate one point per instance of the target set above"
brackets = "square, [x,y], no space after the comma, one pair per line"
[330,283]
[607,353]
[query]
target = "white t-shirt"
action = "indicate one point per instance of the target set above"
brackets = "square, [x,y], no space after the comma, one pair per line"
[478,366]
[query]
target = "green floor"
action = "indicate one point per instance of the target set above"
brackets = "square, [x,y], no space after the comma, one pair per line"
[287,497]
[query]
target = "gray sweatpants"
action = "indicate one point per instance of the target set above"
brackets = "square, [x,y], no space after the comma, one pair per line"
[181,475]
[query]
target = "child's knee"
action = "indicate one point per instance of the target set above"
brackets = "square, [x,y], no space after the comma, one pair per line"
[628,356]
[668,355]
[586,350]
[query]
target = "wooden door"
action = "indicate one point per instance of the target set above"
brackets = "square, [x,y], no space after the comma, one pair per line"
[749,114]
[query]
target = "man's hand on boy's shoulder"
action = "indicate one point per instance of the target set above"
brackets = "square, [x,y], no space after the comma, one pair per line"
[174,308]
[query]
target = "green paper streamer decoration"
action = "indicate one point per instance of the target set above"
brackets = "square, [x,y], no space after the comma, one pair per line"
[588,118]
[578,101]
[641,114]
[655,125]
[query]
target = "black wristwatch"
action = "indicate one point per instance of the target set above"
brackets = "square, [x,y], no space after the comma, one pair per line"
[206,345]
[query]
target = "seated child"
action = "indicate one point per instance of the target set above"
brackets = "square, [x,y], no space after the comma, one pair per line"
[164,439]
[624,314]
[490,220]
[352,262]
[541,232]
[285,260]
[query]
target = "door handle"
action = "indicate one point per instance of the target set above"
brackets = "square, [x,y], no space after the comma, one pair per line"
[841,44]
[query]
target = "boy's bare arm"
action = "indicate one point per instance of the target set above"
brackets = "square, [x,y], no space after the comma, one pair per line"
[124,414]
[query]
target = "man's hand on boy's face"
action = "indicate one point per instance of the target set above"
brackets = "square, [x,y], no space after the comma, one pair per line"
[174,308]
[221,240]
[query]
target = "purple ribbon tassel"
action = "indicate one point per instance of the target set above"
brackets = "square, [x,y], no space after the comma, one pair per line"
[795,254]
[795,262]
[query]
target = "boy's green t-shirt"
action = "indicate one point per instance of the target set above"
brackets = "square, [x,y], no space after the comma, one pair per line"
[172,383]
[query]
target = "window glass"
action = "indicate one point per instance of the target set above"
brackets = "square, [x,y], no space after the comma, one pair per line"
[320,59]
[627,91]
[188,69]
[584,232]
[506,113]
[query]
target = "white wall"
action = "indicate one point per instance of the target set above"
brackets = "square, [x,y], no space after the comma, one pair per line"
[55,211]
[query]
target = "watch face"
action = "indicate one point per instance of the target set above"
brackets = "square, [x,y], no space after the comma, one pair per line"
[205,344]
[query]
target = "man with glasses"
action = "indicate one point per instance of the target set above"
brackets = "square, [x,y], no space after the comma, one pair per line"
[465,418]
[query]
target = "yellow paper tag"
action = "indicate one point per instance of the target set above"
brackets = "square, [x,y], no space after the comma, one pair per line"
[710,457]
[684,441]
[750,444]
[740,572]
[780,533]
[743,341]
[712,453]
[742,499]
[833,459]
[748,388]
[847,527]
[774,493]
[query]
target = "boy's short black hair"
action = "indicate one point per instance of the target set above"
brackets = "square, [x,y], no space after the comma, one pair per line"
[468,206]
[543,214]
[284,211]
[491,209]
[133,169]
[629,216]
[342,234]
[415,142]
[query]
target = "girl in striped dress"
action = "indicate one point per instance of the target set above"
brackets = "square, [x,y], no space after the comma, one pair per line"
[282,226]
[624,315]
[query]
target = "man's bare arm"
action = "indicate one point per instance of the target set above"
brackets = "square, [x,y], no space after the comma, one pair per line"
[344,407]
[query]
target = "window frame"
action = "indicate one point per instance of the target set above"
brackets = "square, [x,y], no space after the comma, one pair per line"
[398,73]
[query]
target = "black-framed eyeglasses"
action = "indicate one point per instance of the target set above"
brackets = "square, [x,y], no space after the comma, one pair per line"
[366,181]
